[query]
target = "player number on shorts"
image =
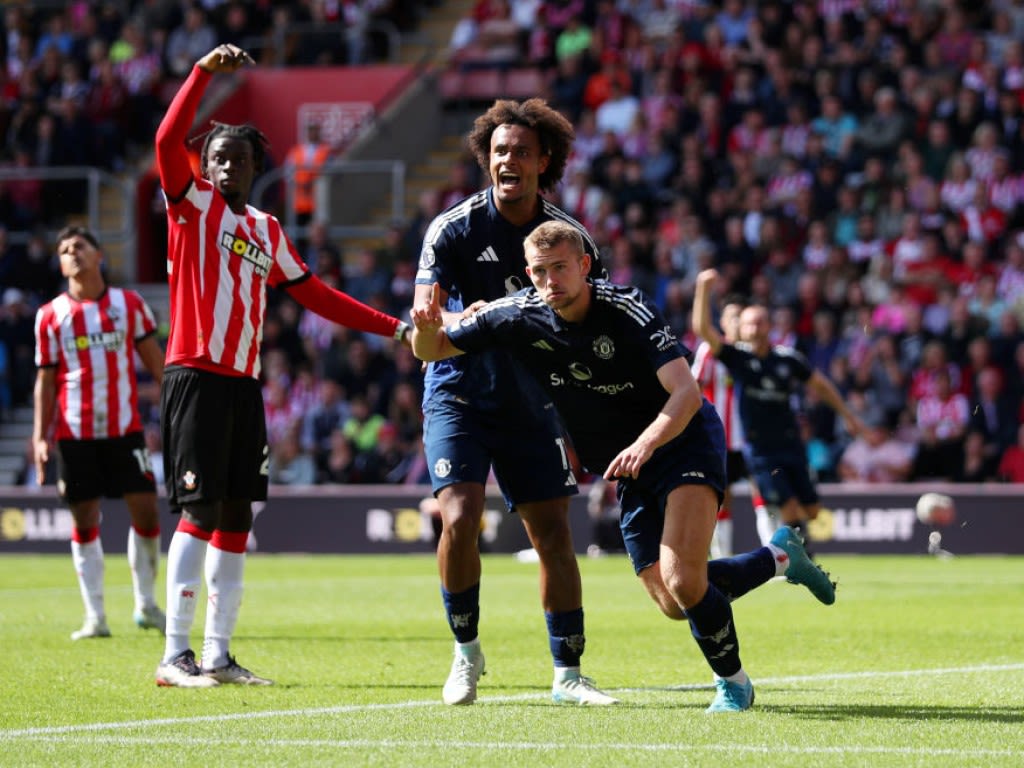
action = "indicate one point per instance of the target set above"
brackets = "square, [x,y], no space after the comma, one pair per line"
[142,457]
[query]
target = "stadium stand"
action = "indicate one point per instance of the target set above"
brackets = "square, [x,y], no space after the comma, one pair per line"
[857,162]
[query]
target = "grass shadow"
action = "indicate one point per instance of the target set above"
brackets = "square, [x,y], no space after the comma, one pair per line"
[917,714]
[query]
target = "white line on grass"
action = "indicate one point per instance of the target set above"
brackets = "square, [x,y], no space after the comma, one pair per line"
[55,730]
[767,749]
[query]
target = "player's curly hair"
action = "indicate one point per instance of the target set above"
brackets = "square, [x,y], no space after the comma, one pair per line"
[248,132]
[554,130]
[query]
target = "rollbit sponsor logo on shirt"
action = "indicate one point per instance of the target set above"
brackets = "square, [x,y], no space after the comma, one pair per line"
[251,252]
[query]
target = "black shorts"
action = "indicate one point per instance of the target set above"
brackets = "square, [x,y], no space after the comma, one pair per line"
[215,438]
[110,467]
[735,466]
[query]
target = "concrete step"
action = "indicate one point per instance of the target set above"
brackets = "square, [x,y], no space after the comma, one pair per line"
[22,413]
[14,446]
[12,463]
[16,429]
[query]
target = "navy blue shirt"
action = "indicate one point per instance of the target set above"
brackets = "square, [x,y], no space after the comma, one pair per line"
[474,253]
[601,373]
[764,386]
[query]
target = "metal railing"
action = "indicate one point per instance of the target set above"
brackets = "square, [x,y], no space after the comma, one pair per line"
[326,203]
[124,234]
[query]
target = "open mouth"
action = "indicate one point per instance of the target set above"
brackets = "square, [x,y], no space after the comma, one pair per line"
[508,180]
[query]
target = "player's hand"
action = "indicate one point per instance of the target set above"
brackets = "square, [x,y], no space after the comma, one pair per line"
[473,308]
[707,277]
[629,461]
[225,58]
[40,455]
[427,317]
[854,425]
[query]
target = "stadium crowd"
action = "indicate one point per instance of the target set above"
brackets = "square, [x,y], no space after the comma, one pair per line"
[855,166]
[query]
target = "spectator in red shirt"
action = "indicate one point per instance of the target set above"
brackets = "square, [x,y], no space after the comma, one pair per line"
[942,420]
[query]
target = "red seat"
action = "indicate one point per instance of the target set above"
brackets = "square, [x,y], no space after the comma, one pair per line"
[524,83]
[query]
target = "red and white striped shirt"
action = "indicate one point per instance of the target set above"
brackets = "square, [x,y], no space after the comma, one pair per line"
[92,346]
[219,265]
[717,386]
[947,417]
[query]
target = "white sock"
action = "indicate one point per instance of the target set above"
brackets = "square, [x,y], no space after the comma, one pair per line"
[224,571]
[88,560]
[739,677]
[766,524]
[185,557]
[143,559]
[721,540]
[566,673]
[781,559]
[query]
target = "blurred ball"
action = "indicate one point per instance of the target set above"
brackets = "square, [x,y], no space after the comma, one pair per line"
[936,509]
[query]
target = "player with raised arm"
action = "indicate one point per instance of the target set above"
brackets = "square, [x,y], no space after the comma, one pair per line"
[481,411]
[719,388]
[86,340]
[604,349]
[222,255]
[766,377]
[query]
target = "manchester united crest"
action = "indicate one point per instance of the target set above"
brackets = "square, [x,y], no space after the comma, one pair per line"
[604,348]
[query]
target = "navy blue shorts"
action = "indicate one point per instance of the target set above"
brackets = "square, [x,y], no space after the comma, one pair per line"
[781,477]
[690,459]
[530,456]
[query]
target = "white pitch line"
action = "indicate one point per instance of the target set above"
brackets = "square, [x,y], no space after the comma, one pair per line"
[767,749]
[9,735]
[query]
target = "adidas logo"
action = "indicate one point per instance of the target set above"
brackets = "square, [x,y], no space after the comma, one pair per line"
[543,345]
[488,255]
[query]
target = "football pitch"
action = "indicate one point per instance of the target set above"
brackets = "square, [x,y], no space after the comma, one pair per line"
[919,663]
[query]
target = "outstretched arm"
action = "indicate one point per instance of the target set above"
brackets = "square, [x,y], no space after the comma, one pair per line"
[827,392]
[429,340]
[171,155]
[683,402]
[701,319]
[314,294]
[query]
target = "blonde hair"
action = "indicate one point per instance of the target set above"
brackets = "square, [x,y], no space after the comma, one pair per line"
[551,234]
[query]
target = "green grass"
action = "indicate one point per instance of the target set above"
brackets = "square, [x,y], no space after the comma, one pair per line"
[919,663]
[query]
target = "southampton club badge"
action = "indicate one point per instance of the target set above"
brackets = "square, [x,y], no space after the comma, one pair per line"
[189,480]
[604,348]
[443,467]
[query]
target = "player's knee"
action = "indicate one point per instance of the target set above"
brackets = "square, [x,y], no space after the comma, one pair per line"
[671,608]
[461,526]
[687,585]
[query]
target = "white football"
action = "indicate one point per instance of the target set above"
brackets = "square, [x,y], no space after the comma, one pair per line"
[936,509]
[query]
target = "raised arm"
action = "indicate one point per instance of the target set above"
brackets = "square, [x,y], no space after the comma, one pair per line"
[429,340]
[701,319]
[172,158]
[683,402]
